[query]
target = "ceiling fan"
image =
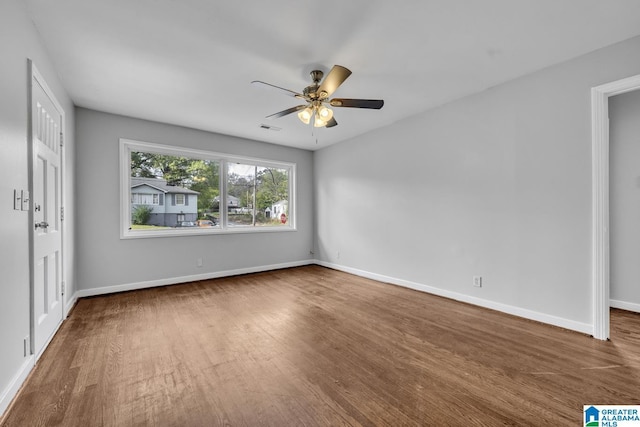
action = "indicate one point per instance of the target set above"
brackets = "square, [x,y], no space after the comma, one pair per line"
[317,99]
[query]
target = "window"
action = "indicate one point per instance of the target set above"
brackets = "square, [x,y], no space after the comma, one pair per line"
[144,199]
[169,191]
[255,193]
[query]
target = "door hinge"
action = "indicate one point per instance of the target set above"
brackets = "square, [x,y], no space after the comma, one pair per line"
[61,139]
[61,213]
[63,287]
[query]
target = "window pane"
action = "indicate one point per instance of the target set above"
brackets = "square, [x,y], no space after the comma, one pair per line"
[168,192]
[257,196]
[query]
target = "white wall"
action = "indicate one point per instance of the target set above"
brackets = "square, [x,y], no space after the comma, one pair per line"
[107,263]
[19,41]
[497,184]
[624,125]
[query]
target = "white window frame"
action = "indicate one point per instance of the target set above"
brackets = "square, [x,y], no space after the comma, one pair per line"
[128,145]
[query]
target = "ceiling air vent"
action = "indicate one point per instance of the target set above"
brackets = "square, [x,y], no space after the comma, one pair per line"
[267,127]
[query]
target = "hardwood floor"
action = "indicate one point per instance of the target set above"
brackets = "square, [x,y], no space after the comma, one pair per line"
[317,347]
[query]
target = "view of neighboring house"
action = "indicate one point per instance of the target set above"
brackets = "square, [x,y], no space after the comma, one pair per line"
[233,203]
[171,204]
[277,209]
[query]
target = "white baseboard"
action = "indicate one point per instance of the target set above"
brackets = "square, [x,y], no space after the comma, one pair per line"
[629,306]
[70,303]
[505,308]
[185,279]
[14,385]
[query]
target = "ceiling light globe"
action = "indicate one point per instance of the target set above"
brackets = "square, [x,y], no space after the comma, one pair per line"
[325,113]
[319,123]
[305,115]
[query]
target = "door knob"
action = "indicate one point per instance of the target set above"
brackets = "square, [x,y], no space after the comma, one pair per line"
[43,224]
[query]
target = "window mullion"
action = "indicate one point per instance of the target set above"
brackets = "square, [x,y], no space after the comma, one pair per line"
[223,194]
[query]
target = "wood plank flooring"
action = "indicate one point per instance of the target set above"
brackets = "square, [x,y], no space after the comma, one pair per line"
[312,346]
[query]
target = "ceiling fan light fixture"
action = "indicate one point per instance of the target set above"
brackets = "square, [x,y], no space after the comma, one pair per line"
[317,99]
[324,113]
[319,123]
[322,116]
[305,115]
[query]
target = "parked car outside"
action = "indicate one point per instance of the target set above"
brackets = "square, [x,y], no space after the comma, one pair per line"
[205,223]
[186,224]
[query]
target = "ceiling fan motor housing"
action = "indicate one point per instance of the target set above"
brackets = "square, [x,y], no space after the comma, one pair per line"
[311,92]
[316,76]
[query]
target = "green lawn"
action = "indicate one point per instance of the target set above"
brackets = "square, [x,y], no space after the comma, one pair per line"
[147,227]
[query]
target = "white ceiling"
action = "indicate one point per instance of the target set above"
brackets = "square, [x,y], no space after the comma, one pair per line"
[190,62]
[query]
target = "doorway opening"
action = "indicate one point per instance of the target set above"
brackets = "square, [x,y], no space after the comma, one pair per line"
[600,264]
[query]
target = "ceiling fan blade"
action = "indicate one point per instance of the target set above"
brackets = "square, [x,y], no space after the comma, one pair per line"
[333,80]
[287,111]
[282,90]
[375,104]
[331,123]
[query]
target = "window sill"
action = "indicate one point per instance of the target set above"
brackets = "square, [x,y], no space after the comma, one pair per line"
[132,234]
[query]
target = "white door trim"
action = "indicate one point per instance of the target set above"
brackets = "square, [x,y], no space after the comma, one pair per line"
[35,74]
[600,198]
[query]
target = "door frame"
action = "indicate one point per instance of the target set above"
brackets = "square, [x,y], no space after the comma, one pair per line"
[33,73]
[600,262]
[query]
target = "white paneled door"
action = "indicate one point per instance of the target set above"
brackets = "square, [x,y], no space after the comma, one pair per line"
[46,209]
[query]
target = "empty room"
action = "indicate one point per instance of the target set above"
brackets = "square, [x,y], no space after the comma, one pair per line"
[358,213]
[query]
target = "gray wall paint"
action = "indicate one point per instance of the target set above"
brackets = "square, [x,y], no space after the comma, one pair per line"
[19,41]
[624,116]
[106,260]
[497,184]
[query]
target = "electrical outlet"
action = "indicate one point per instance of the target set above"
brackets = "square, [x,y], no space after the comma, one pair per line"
[477,281]
[199,262]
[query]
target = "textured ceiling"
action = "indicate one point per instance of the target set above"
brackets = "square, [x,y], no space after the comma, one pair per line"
[190,62]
